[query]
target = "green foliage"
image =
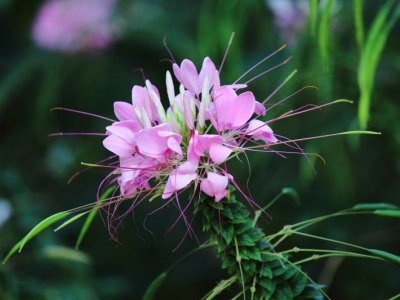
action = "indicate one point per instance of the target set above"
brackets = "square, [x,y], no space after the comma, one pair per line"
[324,33]
[313,15]
[386,256]
[376,40]
[153,287]
[37,229]
[92,214]
[388,213]
[358,23]
[374,206]
[258,266]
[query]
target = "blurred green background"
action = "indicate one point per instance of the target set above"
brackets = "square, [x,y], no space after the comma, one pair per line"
[35,168]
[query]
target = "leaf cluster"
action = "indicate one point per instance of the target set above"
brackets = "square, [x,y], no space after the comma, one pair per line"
[245,253]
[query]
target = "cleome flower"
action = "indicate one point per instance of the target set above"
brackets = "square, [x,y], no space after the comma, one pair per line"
[205,125]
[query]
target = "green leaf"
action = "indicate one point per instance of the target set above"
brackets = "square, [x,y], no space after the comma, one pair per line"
[245,240]
[228,261]
[254,254]
[372,51]
[250,266]
[298,283]
[70,220]
[374,206]
[358,23]
[243,227]
[91,216]
[227,213]
[228,232]
[388,213]
[289,273]
[386,255]
[266,283]
[65,253]
[283,291]
[291,192]
[153,287]
[266,271]
[323,37]
[38,228]
[313,15]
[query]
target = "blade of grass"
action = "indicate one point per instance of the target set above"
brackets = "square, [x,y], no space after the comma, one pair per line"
[313,15]
[323,37]
[373,48]
[38,228]
[91,216]
[358,23]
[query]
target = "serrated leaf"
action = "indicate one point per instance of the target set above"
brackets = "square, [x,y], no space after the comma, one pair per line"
[279,270]
[266,271]
[289,273]
[374,206]
[228,232]
[216,225]
[227,213]
[254,254]
[386,255]
[240,228]
[153,287]
[388,213]
[245,240]
[283,291]
[250,267]
[228,261]
[255,234]
[244,253]
[298,283]
[266,283]
[38,228]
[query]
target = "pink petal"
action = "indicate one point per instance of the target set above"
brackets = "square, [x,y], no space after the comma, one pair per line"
[190,76]
[124,111]
[260,130]
[177,72]
[208,69]
[219,153]
[118,146]
[214,185]
[125,130]
[180,178]
[241,109]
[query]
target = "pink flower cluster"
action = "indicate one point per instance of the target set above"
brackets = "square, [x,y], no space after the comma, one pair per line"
[74,25]
[189,143]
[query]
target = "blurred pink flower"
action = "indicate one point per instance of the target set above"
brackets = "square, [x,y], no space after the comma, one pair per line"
[74,25]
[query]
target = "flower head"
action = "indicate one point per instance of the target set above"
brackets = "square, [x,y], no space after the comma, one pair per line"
[205,125]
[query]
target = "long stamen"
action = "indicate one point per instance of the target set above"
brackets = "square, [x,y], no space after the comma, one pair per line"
[169,51]
[269,70]
[259,63]
[76,133]
[280,86]
[307,110]
[226,52]
[83,113]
